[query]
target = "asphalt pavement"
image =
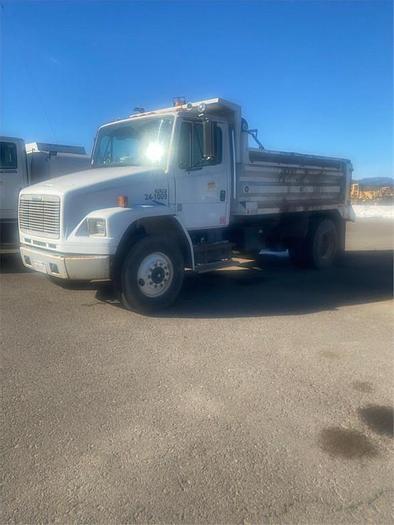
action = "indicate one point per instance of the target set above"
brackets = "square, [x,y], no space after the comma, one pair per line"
[263,396]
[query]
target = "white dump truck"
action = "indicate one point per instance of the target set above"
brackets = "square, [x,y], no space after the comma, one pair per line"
[22,164]
[180,188]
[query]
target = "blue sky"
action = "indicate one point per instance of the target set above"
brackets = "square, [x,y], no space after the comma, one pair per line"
[311,76]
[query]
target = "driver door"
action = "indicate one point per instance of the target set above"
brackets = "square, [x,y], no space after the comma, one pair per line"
[202,186]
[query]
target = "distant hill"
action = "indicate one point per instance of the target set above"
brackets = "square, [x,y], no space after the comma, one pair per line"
[376,181]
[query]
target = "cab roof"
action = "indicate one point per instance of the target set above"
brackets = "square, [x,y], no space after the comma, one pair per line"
[219,106]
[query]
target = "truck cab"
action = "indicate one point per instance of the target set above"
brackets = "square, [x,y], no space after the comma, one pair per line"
[14,176]
[180,188]
[23,164]
[181,173]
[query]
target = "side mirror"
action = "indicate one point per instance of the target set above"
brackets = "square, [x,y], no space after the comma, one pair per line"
[208,140]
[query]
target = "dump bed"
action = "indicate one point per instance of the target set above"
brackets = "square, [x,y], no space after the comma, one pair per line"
[276,182]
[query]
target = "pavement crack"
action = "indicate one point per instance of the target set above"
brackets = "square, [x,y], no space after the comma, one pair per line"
[370,501]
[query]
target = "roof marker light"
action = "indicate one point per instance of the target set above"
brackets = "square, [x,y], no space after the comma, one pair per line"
[178,101]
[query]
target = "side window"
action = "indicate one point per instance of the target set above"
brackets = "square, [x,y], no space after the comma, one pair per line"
[191,146]
[8,157]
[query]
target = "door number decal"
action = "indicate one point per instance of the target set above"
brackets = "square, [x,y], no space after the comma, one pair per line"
[160,194]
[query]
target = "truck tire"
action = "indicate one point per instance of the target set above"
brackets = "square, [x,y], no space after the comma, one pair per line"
[152,274]
[320,247]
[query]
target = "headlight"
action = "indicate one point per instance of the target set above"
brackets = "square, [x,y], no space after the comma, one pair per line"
[97,227]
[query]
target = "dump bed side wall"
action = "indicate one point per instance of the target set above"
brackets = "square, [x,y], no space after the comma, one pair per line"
[279,185]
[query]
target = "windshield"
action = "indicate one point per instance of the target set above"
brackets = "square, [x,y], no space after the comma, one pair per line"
[139,143]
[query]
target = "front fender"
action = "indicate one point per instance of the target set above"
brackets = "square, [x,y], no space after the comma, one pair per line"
[120,219]
[130,226]
[119,222]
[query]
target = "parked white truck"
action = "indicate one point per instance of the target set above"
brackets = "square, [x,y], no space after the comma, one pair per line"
[22,164]
[179,188]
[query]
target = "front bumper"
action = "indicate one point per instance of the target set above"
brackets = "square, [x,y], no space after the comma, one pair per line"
[73,267]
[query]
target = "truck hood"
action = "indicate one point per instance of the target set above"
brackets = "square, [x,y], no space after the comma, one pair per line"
[97,189]
[89,179]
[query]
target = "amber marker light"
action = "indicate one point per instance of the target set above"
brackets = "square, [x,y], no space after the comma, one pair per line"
[178,102]
[122,201]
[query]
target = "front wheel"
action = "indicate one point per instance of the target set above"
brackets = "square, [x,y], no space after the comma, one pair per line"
[152,274]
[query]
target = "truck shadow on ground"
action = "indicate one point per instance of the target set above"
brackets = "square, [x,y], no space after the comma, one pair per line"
[280,289]
[277,288]
[11,263]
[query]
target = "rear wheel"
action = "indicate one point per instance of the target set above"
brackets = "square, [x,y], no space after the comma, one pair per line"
[324,244]
[320,247]
[152,274]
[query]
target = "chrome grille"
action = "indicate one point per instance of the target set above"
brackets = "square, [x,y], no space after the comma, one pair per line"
[40,215]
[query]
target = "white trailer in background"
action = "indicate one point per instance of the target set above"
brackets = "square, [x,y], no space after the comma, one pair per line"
[180,188]
[24,164]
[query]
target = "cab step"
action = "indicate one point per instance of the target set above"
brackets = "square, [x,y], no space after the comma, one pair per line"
[209,252]
[212,256]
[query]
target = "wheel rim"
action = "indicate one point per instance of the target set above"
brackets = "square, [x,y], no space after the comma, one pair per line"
[155,274]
